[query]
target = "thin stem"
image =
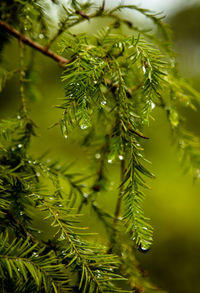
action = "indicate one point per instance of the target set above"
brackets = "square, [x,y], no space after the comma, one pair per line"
[61,60]
[21,78]
[119,200]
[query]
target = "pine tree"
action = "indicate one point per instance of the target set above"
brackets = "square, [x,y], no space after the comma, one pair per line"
[113,79]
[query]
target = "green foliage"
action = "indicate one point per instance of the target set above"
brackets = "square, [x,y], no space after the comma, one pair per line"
[113,79]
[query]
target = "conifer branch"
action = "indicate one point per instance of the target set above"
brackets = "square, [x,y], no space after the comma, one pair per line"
[45,51]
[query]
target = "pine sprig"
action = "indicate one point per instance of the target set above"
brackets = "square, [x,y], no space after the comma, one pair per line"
[96,268]
[22,261]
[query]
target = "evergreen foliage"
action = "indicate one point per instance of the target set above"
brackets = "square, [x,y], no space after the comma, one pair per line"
[112,81]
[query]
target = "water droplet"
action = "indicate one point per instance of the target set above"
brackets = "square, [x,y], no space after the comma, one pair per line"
[84,126]
[39,232]
[38,174]
[41,36]
[85,195]
[29,161]
[35,254]
[20,146]
[34,162]
[65,136]
[18,117]
[198,173]
[121,157]
[103,103]
[51,198]
[21,213]
[97,156]
[110,161]
[95,82]
[144,69]
[12,149]
[152,105]
[145,228]
[60,205]
[143,247]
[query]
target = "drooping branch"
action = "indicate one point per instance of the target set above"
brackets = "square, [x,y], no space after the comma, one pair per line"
[61,60]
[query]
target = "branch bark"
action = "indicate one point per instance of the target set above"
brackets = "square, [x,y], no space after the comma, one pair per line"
[45,51]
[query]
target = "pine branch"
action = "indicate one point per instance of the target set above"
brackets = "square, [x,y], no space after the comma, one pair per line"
[22,260]
[97,269]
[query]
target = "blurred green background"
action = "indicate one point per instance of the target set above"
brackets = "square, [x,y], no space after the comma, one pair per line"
[173,203]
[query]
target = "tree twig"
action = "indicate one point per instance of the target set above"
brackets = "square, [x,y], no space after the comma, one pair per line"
[45,51]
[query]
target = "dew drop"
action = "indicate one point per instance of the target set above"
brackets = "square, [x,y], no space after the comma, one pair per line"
[18,117]
[198,173]
[21,213]
[143,248]
[121,157]
[65,136]
[20,146]
[85,195]
[110,161]
[95,82]
[103,103]
[41,36]
[29,161]
[97,156]
[38,174]
[144,69]
[83,126]
[152,105]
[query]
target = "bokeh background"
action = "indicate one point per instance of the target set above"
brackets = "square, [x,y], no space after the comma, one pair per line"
[173,203]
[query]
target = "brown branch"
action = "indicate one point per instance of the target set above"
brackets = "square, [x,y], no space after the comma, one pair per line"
[45,51]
